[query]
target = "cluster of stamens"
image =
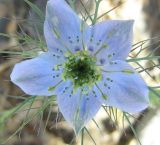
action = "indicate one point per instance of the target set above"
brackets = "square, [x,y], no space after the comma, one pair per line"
[81,69]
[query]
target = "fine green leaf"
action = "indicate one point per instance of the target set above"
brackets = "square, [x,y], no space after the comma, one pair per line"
[36,10]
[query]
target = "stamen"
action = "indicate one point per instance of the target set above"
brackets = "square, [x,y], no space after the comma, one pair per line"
[127,71]
[109,56]
[52,88]
[57,67]
[105,46]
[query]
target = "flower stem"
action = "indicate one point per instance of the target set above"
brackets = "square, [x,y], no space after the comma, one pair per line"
[82,137]
[96,11]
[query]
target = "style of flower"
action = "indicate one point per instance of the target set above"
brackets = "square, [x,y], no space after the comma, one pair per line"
[84,67]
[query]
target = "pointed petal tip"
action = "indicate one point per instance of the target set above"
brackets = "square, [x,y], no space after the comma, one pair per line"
[34,76]
[129,92]
[143,106]
[129,23]
[13,75]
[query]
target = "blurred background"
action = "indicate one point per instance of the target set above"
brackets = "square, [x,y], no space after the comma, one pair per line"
[17,19]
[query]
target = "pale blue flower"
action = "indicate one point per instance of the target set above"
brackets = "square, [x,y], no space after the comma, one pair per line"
[85,66]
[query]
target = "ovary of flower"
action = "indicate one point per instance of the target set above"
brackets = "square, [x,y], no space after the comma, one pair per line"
[83,67]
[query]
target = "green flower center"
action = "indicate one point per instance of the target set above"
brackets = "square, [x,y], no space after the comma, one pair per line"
[81,69]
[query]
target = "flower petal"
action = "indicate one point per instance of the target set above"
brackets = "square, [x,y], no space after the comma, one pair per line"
[36,75]
[77,108]
[110,40]
[62,26]
[124,88]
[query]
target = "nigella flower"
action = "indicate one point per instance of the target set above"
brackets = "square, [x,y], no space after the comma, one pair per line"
[84,67]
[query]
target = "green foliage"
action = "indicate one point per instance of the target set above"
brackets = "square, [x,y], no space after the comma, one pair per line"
[26,107]
[36,10]
[154,96]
